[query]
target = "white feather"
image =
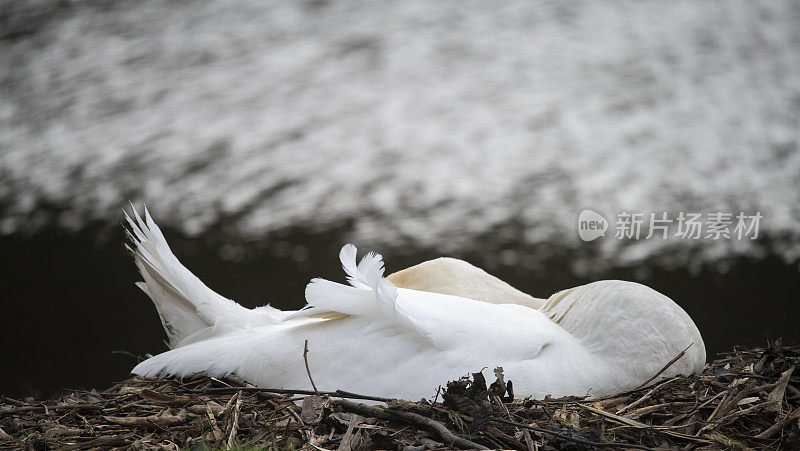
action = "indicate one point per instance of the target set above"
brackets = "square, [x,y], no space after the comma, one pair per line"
[370,294]
[184,303]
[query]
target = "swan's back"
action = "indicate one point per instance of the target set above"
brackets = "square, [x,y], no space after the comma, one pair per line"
[456,277]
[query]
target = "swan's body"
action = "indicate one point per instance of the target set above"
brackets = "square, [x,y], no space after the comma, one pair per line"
[598,339]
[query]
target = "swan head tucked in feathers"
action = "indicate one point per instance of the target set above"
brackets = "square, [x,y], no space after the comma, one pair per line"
[630,324]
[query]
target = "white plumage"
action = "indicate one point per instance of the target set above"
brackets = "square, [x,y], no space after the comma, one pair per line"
[373,337]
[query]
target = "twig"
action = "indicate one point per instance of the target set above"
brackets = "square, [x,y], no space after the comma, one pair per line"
[435,398]
[643,398]
[113,440]
[351,395]
[152,421]
[640,425]
[707,402]
[305,358]
[777,427]
[572,439]
[775,397]
[214,427]
[528,440]
[728,402]
[235,421]
[296,416]
[345,442]
[288,391]
[6,399]
[82,406]
[669,364]
[231,402]
[439,428]
[220,381]
[652,408]
[236,381]
[129,354]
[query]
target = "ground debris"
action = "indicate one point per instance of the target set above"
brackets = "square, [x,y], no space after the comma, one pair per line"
[749,398]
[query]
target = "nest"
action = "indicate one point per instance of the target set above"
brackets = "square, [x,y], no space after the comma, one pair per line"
[747,399]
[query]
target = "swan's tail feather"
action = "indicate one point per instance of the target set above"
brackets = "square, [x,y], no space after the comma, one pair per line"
[216,357]
[185,305]
[370,294]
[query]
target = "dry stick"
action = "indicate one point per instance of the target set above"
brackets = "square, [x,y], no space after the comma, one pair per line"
[572,439]
[528,440]
[151,421]
[229,405]
[728,402]
[651,408]
[497,434]
[614,398]
[435,398]
[742,412]
[669,364]
[7,400]
[235,421]
[287,391]
[440,429]
[777,427]
[643,398]
[235,380]
[707,402]
[775,397]
[696,408]
[102,442]
[307,431]
[347,394]
[640,425]
[305,357]
[344,443]
[525,434]
[220,381]
[86,406]
[214,428]
[64,431]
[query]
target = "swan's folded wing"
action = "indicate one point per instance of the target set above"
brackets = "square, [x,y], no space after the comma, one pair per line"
[215,353]
[430,319]
[448,322]
[239,352]
[452,322]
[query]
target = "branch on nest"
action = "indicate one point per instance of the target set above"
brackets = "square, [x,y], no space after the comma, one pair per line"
[439,428]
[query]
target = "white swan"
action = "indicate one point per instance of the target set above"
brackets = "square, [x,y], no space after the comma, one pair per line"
[371,337]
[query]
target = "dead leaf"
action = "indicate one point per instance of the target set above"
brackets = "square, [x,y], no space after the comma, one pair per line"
[313,409]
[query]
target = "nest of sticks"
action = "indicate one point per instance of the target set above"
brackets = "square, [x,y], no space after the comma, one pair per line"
[749,398]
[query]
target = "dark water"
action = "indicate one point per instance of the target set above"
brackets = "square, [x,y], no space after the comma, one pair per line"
[69,303]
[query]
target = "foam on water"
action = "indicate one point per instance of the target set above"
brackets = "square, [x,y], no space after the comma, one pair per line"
[422,123]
